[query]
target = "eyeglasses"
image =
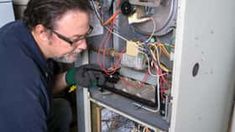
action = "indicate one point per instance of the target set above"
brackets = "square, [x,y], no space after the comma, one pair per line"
[75,40]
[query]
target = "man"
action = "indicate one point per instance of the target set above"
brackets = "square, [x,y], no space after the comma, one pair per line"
[51,29]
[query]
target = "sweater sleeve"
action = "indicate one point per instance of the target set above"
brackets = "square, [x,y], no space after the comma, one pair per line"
[22,98]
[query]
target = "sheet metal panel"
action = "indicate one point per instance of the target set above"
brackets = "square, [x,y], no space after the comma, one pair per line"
[8,15]
[205,35]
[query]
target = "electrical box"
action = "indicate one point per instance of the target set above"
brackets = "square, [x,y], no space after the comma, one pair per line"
[172,62]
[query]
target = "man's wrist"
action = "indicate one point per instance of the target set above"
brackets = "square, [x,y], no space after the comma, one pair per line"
[70,77]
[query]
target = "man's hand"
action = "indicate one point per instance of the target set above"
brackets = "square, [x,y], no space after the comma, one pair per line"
[86,76]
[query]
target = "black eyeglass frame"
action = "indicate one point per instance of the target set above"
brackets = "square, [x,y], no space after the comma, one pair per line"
[72,41]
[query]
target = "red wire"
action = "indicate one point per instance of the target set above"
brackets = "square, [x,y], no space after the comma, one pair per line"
[102,49]
[146,75]
[105,38]
[118,3]
[112,18]
[103,46]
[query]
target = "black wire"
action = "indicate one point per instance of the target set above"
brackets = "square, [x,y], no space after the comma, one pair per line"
[111,7]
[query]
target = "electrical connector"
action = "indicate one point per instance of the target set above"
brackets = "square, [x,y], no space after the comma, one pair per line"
[132,48]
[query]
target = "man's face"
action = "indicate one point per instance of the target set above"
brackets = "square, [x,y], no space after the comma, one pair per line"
[68,37]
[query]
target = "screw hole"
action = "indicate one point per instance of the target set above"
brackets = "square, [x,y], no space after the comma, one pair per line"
[195,69]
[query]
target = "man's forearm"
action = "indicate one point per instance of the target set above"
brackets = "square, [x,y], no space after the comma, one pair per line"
[59,83]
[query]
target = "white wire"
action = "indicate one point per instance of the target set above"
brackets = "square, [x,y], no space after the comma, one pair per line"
[153,55]
[166,107]
[158,99]
[158,56]
[158,93]
[154,29]
[149,67]
[123,38]
[98,15]
[158,87]
[116,34]
[96,10]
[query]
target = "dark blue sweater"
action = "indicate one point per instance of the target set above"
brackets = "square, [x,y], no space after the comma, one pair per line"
[24,77]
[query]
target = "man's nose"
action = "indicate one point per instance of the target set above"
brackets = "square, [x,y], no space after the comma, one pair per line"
[82,44]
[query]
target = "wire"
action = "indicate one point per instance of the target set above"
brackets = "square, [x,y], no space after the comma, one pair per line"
[141,83]
[102,46]
[146,129]
[166,106]
[96,11]
[102,49]
[158,90]
[171,12]
[111,19]
[163,49]
[104,41]
[148,62]
[116,34]
[154,29]
[118,3]
[156,53]
[98,16]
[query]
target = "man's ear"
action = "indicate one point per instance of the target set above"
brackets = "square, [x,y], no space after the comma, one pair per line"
[41,32]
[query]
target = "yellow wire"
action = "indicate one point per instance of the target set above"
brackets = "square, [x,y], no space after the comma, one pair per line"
[164,50]
[164,68]
[72,88]
[157,54]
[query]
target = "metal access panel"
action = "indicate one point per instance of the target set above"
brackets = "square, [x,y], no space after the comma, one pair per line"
[201,65]
[205,43]
[7,13]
